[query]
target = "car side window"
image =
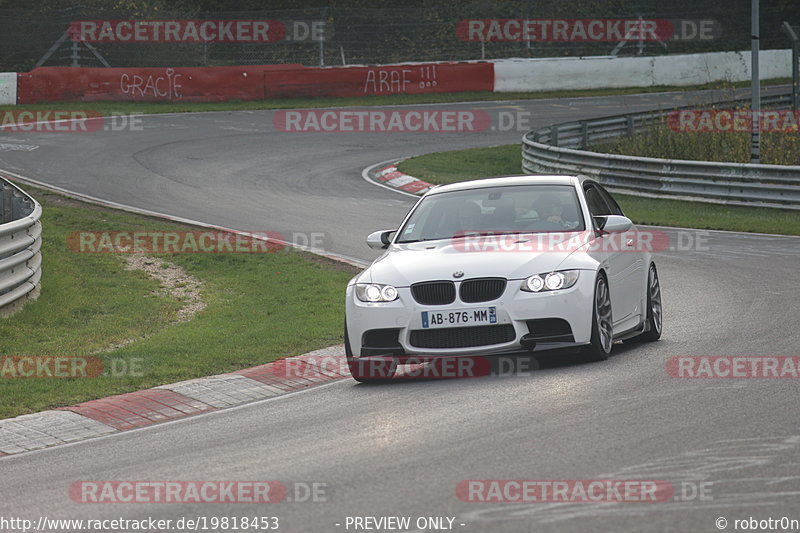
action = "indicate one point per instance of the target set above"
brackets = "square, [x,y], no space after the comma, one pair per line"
[596,202]
[615,208]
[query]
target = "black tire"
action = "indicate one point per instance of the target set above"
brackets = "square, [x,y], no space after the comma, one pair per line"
[365,373]
[655,311]
[602,339]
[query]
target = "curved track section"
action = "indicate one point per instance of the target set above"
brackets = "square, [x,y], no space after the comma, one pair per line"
[402,449]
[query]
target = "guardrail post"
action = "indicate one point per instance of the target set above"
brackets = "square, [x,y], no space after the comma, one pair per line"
[630,123]
[584,134]
[17,207]
[554,135]
[7,210]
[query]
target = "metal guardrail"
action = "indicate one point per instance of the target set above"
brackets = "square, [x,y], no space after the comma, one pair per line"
[20,248]
[560,149]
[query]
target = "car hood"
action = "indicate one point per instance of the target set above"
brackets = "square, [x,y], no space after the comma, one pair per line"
[515,258]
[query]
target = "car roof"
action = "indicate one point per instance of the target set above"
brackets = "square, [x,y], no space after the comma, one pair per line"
[507,181]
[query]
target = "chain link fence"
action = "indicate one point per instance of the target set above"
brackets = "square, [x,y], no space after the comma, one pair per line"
[428,32]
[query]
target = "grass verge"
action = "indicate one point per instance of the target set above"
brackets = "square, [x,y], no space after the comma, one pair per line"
[260,307]
[777,147]
[460,165]
[120,108]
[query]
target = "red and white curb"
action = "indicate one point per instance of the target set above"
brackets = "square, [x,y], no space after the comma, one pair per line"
[114,414]
[391,177]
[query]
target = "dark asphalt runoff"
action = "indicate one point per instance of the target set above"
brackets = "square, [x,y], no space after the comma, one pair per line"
[730,447]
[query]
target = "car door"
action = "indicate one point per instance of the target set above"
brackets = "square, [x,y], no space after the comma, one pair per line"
[623,264]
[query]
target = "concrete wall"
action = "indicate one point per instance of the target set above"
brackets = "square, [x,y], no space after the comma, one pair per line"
[546,74]
[8,88]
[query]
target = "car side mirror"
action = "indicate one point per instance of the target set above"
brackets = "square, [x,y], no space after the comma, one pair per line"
[380,239]
[613,223]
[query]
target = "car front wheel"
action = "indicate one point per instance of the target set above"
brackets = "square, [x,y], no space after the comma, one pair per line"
[655,310]
[602,325]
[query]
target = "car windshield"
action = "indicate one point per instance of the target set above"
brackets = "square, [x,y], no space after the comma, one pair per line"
[494,210]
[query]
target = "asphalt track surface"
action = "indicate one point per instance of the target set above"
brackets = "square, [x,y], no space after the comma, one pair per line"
[401,449]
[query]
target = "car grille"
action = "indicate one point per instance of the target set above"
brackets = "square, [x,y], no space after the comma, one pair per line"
[434,292]
[462,337]
[482,289]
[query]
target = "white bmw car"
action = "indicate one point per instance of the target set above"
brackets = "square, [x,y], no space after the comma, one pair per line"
[503,265]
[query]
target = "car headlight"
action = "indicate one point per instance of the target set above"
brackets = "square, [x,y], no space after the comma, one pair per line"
[375,292]
[551,281]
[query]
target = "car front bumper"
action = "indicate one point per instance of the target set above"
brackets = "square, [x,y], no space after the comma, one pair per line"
[547,319]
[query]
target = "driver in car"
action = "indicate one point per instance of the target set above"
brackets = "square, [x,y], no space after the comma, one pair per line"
[554,213]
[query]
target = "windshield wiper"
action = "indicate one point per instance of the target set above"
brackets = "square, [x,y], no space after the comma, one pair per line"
[421,240]
[467,235]
[486,234]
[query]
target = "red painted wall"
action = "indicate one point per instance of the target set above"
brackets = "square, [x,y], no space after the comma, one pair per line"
[211,84]
[394,79]
[189,84]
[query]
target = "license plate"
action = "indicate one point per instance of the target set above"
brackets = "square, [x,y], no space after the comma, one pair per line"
[459,317]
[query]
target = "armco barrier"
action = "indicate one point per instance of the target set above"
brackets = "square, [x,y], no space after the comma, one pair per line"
[212,84]
[557,149]
[20,248]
